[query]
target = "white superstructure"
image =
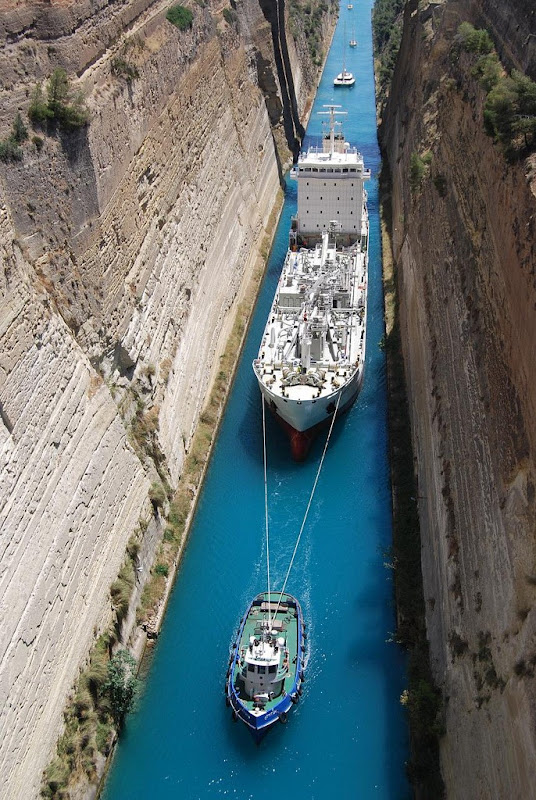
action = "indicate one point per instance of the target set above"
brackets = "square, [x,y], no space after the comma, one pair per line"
[330,187]
[312,353]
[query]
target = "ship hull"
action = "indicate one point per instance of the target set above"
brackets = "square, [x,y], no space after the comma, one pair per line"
[303,420]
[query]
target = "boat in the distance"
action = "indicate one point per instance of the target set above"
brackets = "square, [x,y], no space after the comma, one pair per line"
[312,354]
[344,78]
[267,663]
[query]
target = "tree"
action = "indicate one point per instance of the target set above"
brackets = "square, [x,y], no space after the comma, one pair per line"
[20,131]
[57,91]
[180,16]
[39,112]
[121,685]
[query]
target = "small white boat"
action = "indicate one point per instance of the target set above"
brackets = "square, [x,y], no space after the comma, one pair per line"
[344,78]
[350,6]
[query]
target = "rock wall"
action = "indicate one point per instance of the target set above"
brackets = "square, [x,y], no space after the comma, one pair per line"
[124,247]
[464,245]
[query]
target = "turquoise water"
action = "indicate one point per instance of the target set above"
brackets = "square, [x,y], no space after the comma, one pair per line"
[347,737]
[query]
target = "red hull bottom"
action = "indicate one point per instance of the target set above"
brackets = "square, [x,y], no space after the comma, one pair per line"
[301,441]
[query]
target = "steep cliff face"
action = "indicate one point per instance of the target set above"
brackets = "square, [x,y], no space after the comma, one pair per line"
[465,248]
[124,248]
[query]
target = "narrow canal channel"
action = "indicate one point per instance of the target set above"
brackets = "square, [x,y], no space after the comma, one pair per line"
[347,736]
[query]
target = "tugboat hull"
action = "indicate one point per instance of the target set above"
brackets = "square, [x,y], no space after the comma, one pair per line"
[284,628]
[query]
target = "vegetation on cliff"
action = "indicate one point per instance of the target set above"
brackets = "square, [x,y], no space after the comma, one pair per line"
[10,148]
[510,107]
[180,16]
[61,107]
[387,21]
[307,16]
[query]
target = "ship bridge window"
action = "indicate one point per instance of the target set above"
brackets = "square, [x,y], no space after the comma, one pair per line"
[314,169]
[261,669]
[251,667]
[345,169]
[322,169]
[272,668]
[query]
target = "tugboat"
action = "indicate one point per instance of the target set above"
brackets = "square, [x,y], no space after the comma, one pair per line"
[267,664]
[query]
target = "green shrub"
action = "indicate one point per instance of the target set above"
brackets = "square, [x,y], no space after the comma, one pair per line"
[98,666]
[121,590]
[157,495]
[474,40]
[102,738]
[123,69]
[229,16]
[162,569]
[417,169]
[488,70]
[169,534]
[121,685]
[56,777]
[20,131]
[9,150]
[510,111]
[60,107]
[180,16]
[39,112]
[38,142]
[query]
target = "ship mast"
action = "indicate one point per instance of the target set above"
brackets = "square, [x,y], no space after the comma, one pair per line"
[332,122]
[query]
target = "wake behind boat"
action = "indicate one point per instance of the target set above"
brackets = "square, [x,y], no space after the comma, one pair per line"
[267,663]
[312,355]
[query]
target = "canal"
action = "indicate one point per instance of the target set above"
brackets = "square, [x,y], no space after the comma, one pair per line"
[347,737]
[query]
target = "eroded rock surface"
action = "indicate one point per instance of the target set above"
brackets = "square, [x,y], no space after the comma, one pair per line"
[465,248]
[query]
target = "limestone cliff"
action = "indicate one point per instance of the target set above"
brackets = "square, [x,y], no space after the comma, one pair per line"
[465,250]
[124,247]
